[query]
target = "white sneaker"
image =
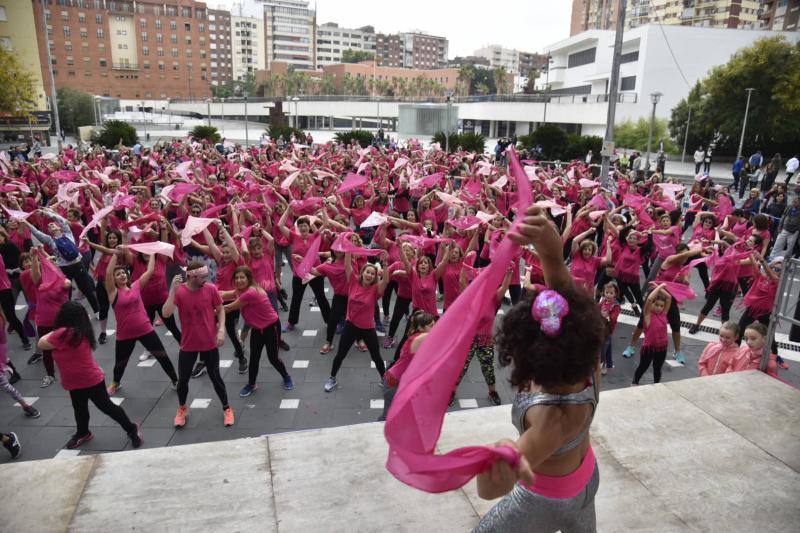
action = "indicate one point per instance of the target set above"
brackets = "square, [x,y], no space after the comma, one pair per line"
[47,381]
[145,356]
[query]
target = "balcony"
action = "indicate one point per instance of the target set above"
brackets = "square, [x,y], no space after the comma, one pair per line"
[124,66]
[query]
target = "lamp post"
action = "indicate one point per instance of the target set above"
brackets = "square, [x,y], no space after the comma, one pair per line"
[296,121]
[144,121]
[744,123]
[447,126]
[686,133]
[208,111]
[654,97]
[99,110]
[547,87]
[246,131]
[222,112]
[94,109]
[613,91]
[53,93]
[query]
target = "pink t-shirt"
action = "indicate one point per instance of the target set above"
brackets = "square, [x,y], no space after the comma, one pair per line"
[156,290]
[584,270]
[257,310]
[198,318]
[423,292]
[335,274]
[452,282]
[300,246]
[361,303]
[5,283]
[76,365]
[398,369]
[224,281]
[761,296]
[403,282]
[264,271]
[132,320]
[48,304]
[655,336]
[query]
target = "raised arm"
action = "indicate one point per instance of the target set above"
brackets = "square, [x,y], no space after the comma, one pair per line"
[148,274]
[536,229]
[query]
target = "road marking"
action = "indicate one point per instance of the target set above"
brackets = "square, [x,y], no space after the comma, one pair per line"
[309,333]
[63,454]
[300,364]
[147,363]
[117,400]
[290,404]
[314,309]
[200,403]
[225,363]
[372,364]
[468,403]
[376,404]
[30,400]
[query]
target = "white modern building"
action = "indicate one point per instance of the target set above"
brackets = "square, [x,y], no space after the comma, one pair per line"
[289,33]
[498,56]
[248,46]
[332,41]
[668,59]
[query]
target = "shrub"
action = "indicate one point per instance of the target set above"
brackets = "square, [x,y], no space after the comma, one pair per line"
[579,145]
[203,132]
[552,140]
[469,141]
[284,132]
[363,137]
[114,131]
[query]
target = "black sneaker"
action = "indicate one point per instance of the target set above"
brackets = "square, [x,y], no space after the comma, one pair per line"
[694,328]
[102,338]
[14,377]
[284,307]
[26,345]
[13,445]
[242,365]
[136,438]
[285,347]
[35,358]
[76,441]
[495,398]
[284,294]
[199,370]
[31,412]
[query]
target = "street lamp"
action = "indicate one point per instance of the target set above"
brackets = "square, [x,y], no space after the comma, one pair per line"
[686,133]
[654,97]
[296,122]
[208,111]
[246,131]
[447,128]
[744,124]
[547,86]
[222,112]
[144,121]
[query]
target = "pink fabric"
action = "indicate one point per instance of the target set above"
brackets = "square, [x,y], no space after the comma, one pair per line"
[100,215]
[158,247]
[569,486]
[194,225]
[717,358]
[343,244]
[352,181]
[428,181]
[465,223]
[197,316]
[180,190]
[17,215]
[52,277]
[415,418]
[132,320]
[125,200]
[310,259]
[257,310]
[361,302]
[152,217]
[679,292]
[76,365]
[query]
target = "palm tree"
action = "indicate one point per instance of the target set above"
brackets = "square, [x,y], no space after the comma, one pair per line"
[499,75]
[327,84]
[466,74]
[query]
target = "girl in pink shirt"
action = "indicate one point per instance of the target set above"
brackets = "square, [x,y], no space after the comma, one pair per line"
[334,270]
[610,309]
[71,343]
[364,290]
[133,324]
[751,354]
[52,291]
[654,347]
[760,299]
[585,261]
[404,294]
[420,324]
[257,311]
[718,357]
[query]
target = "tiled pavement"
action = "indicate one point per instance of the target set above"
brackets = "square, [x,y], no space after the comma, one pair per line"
[147,397]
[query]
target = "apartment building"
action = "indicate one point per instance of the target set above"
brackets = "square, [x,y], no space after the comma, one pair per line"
[411,50]
[249,50]
[220,46]
[332,41]
[145,49]
[780,15]
[514,61]
[289,33]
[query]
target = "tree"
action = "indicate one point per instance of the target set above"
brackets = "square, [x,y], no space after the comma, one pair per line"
[350,55]
[466,75]
[75,109]
[633,135]
[500,80]
[772,67]
[203,132]
[530,85]
[551,139]
[483,83]
[17,96]
[115,131]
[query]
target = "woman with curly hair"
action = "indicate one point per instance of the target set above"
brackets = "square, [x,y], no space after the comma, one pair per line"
[557,375]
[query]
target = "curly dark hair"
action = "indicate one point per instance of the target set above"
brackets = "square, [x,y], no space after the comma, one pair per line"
[567,359]
[74,318]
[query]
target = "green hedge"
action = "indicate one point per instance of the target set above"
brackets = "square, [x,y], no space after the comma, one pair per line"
[205,133]
[363,137]
[469,141]
[113,131]
[285,132]
[557,144]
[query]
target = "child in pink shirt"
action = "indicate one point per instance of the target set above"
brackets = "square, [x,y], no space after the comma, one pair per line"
[750,355]
[718,357]
[610,309]
[654,347]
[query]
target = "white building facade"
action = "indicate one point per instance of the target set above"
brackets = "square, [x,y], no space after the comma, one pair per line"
[289,33]
[332,41]
[248,46]
[498,56]
[654,59]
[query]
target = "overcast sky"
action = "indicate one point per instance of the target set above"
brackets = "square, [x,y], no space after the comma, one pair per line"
[527,25]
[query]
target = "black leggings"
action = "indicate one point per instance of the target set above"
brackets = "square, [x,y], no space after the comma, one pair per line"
[349,336]
[99,397]
[386,301]
[298,288]
[169,321]
[231,319]
[633,292]
[338,313]
[646,357]
[77,273]
[47,355]
[260,339]
[124,348]
[102,299]
[747,319]
[401,307]
[725,299]
[702,271]
[7,304]
[210,358]
[515,291]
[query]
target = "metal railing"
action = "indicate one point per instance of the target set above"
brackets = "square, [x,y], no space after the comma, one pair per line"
[788,291]
[527,98]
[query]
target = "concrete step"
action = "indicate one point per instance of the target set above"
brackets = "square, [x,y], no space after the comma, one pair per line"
[707,454]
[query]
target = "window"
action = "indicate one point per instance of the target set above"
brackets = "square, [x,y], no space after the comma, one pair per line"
[122,46]
[68,47]
[158,24]
[122,32]
[160,65]
[201,28]
[173,25]
[630,57]
[81,17]
[186,12]
[174,52]
[145,51]
[64,15]
[103,63]
[84,32]
[146,65]
[583,57]
[144,36]
[159,38]
[175,66]
[187,27]
[67,31]
[173,38]
[143,23]
[98,18]
[70,60]
[160,52]
[100,33]
[627,83]
[188,40]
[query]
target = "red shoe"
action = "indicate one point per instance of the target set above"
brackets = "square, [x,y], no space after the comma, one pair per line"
[180,416]
[228,417]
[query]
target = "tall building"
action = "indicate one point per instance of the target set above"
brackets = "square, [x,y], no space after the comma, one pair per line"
[249,51]
[529,61]
[332,41]
[780,15]
[411,50]
[125,49]
[220,48]
[289,33]
[602,14]
[514,61]
[18,36]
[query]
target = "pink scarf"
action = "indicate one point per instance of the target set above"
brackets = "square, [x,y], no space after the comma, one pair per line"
[415,418]
[163,248]
[311,258]
[351,181]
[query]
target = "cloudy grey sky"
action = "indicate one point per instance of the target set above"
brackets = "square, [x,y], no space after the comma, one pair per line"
[527,25]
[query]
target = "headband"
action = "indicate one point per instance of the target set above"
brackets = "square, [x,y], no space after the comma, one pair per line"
[199,272]
[548,309]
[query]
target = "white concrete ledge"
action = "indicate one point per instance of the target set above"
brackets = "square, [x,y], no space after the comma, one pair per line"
[706,454]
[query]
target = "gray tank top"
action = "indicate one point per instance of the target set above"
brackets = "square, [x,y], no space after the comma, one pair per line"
[525,400]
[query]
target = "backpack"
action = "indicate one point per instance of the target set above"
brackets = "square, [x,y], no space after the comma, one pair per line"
[66,248]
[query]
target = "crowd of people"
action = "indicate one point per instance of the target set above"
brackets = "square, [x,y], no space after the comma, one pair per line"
[206,232]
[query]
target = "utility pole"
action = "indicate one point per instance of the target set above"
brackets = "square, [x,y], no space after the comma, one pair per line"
[53,96]
[447,127]
[744,124]
[612,96]
[654,97]
[686,134]
[246,131]
[208,111]
[546,88]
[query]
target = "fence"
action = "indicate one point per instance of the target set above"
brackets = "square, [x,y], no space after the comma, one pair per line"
[788,290]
